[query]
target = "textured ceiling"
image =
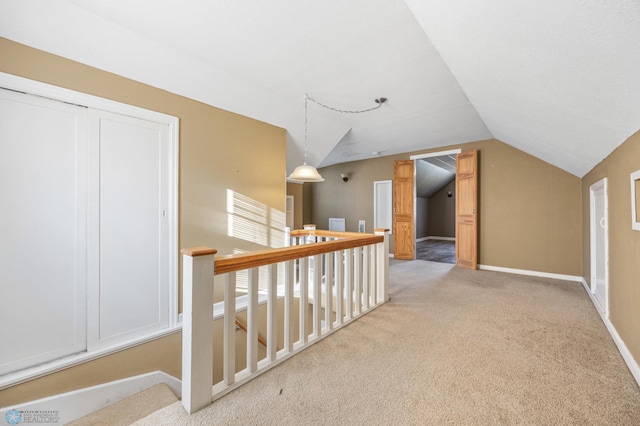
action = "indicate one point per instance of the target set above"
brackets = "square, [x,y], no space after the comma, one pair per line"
[559,80]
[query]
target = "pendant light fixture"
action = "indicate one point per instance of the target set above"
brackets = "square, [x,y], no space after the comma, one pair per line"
[306,172]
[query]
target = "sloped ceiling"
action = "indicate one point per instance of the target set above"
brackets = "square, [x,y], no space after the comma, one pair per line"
[433,174]
[559,80]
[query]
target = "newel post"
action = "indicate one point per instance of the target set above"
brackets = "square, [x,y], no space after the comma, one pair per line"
[383,266]
[197,327]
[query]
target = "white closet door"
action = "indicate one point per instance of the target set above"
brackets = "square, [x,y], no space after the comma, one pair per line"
[42,228]
[128,229]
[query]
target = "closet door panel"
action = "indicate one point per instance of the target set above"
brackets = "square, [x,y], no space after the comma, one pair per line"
[42,227]
[129,285]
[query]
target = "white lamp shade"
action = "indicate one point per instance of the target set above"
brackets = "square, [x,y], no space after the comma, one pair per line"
[306,173]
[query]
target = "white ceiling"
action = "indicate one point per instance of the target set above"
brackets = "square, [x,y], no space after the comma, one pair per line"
[559,80]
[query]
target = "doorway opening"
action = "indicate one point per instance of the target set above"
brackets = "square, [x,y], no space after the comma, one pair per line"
[435,206]
[599,245]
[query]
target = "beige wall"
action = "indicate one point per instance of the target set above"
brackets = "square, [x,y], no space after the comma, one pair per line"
[441,213]
[219,150]
[624,243]
[529,210]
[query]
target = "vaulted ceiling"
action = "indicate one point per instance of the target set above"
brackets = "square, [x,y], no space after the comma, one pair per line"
[559,80]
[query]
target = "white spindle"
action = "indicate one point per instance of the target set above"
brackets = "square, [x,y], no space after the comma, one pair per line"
[252,321]
[365,277]
[328,290]
[197,327]
[348,279]
[229,370]
[288,305]
[373,276]
[357,280]
[272,312]
[317,295]
[304,299]
[339,281]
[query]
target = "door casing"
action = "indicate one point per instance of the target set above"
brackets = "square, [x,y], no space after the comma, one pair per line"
[599,245]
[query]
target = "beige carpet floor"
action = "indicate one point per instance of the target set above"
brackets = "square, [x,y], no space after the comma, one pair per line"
[451,347]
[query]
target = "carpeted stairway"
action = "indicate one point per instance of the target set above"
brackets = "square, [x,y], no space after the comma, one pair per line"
[127,411]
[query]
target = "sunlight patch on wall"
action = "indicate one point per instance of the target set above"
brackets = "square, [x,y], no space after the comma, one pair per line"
[250,220]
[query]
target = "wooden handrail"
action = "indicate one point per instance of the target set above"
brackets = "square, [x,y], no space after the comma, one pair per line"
[325,233]
[238,262]
[243,326]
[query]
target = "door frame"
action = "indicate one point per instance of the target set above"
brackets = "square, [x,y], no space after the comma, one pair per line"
[593,224]
[430,155]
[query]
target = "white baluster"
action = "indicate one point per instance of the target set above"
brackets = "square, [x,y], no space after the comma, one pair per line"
[317,294]
[272,312]
[229,371]
[252,321]
[365,278]
[348,280]
[289,278]
[357,280]
[328,290]
[339,273]
[304,299]
[373,276]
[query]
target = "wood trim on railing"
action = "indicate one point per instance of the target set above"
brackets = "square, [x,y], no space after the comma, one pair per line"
[243,326]
[198,251]
[237,262]
[325,233]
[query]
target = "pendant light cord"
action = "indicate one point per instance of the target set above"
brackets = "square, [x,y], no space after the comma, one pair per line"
[379,101]
[307,98]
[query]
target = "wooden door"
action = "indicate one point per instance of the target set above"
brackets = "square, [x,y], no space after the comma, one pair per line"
[467,210]
[403,221]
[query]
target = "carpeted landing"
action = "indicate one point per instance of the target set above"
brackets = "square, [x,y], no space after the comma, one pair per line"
[452,346]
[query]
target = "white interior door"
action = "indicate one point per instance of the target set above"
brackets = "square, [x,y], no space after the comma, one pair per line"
[383,204]
[289,211]
[599,245]
[128,262]
[42,228]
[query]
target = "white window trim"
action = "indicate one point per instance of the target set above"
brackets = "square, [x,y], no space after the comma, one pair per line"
[20,84]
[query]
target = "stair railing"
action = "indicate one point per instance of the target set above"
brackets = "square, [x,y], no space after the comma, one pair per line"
[329,278]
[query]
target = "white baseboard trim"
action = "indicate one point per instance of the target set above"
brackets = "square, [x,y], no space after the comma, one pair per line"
[73,405]
[633,365]
[531,273]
